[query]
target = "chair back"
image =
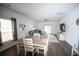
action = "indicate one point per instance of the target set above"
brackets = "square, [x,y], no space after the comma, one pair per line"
[28,43]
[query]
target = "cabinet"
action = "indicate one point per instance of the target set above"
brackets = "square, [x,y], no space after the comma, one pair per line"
[61,37]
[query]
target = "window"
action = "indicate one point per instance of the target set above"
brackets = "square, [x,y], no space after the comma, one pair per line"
[8,30]
[47,29]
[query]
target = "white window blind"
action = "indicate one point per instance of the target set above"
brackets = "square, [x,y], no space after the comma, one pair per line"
[6,30]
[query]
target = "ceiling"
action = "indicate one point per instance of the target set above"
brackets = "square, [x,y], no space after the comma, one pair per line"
[42,11]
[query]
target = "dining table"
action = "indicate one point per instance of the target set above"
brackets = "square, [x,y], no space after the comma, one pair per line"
[38,42]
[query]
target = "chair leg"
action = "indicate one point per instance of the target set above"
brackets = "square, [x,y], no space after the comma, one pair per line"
[25,52]
[38,51]
[32,54]
[45,52]
[17,49]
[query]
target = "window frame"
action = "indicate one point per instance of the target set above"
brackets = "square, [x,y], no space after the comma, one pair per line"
[14,29]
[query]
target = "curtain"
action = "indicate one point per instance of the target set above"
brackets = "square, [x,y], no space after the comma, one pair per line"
[0,35]
[14,28]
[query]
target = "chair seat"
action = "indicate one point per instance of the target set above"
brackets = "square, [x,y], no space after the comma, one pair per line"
[40,46]
[30,49]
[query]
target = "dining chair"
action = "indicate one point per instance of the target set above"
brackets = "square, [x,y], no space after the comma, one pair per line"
[20,45]
[43,48]
[27,46]
[28,43]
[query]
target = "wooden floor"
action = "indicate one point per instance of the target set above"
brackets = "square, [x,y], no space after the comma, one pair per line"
[59,49]
[54,49]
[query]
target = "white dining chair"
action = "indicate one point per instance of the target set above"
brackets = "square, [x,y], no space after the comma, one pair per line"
[28,46]
[28,43]
[20,45]
[43,48]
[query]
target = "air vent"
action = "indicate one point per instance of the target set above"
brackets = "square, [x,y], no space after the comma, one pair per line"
[61,13]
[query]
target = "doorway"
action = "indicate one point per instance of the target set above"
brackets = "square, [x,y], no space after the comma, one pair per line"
[47,29]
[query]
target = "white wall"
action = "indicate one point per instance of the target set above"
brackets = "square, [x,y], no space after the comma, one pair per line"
[20,20]
[72,30]
[54,24]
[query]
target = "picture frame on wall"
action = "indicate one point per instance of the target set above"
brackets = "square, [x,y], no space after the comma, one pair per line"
[77,22]
[63,27]
[22,26]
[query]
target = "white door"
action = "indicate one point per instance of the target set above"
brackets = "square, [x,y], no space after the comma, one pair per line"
[47,29]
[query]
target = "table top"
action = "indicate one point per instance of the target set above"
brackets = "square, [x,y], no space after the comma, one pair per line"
[37,41]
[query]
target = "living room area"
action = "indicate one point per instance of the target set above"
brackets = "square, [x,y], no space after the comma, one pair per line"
[48,29]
